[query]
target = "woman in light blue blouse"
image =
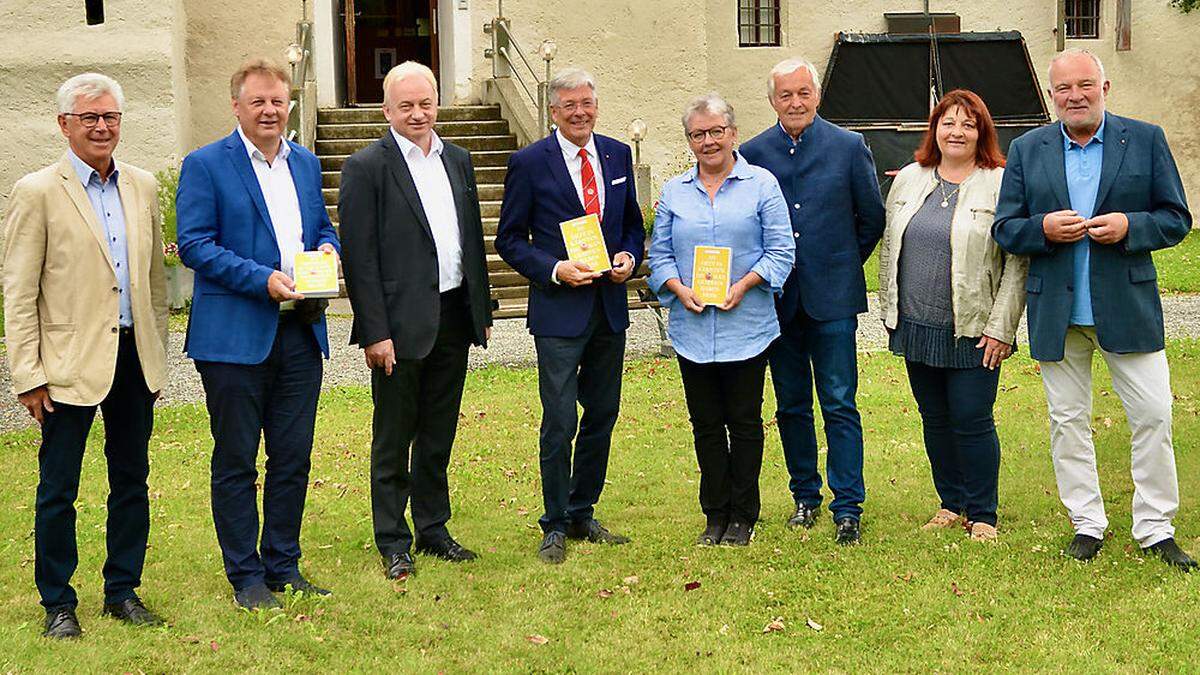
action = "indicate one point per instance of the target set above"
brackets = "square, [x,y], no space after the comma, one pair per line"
[723,201]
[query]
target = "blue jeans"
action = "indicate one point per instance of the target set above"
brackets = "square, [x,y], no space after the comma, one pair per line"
[823,351]
[960,436]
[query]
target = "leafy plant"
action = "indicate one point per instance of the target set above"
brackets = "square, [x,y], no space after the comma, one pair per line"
[168,184]
[1185,6]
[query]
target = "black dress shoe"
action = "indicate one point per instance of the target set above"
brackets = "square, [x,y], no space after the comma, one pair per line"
[848,531]
[594,532]
[399,565]
[1084,547]
[554,548]
[1171,554]
[805,516]
[737,534]
[446,549]
[711,536]
[256,597]
[297,584]
[132,612]
[61,623]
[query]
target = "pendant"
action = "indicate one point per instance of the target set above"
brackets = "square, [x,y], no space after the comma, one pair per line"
[945,203]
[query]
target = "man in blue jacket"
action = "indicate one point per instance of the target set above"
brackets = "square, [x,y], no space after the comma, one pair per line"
[1088,199]
[828,178]
[577,316]
[247,204]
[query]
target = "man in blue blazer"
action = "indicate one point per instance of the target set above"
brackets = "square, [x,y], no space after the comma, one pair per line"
[828,178]
[247,204]
[577,316]
[1088,199]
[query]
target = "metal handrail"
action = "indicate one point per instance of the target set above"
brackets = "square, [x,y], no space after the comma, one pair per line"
[299,54]
[504,43]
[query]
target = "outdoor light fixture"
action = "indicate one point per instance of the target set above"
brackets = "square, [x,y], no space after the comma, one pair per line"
[637,133]
[547,50]
[294,53]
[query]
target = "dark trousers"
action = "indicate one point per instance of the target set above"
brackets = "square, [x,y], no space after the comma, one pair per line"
[586,369]
[277,401]
[960,435]
[128,411]
[724,403]
[821,352]
[417,407]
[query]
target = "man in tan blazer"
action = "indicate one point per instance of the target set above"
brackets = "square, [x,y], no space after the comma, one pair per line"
[86,318]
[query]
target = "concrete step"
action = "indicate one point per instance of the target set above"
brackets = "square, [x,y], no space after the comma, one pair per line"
[481,159]
[489,211]
[458,113]
[346,147]
[493,175]
[444,129]
[486,193]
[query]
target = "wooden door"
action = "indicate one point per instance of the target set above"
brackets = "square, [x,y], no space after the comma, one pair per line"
[381,34]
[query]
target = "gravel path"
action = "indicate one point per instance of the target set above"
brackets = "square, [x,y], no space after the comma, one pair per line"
[511,345]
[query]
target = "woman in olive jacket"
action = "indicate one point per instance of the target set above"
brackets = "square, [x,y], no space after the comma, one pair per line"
[951,301]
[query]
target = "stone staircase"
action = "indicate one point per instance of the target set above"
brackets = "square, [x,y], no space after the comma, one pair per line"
[478,128]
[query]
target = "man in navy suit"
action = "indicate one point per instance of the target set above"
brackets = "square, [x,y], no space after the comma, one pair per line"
[577,316]
[247,205]
[828,178]
[1088,199]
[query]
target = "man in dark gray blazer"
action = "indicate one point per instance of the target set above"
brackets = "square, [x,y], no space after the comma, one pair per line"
[416,275]
[1088,199]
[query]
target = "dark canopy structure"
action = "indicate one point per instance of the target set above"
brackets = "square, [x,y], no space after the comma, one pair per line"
[884,85]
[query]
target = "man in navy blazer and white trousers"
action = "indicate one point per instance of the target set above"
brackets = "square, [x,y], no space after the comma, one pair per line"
[247,205]
[577,316]
[1088,199]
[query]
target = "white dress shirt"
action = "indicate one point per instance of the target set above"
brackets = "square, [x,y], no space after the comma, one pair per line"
[283,204]
[437,200]
[575,165]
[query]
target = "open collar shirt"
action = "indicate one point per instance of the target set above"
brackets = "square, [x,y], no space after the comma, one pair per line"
[105,197]
[1083,164]
[437,201]
[750,217]
[283,203]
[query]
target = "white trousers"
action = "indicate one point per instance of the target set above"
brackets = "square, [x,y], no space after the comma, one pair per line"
[1143,383]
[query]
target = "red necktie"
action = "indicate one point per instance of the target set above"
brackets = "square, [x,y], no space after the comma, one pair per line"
[591,198]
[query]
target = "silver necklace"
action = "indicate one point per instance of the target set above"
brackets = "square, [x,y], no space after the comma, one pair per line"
[942,188]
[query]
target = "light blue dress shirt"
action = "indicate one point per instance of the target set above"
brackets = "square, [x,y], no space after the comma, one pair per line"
[1083,164]
[751,218]
[105,197]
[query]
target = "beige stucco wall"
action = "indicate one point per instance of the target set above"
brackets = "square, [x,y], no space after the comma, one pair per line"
[650,57]
[47,42]
[220,35]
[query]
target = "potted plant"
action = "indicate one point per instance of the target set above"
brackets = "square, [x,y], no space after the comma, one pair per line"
[179,278]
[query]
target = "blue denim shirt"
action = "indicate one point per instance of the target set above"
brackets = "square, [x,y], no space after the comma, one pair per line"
[105,197]
[1083,165]
[750,217]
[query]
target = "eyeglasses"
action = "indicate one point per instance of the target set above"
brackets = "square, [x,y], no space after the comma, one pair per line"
[570,108]
[90,120]
[698,135]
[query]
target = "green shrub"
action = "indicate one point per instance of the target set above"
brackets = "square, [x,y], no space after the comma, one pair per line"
[168,183]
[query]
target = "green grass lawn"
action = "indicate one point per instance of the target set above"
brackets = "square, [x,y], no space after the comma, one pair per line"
[904,600]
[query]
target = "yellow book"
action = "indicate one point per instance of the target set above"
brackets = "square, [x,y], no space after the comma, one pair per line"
[710,273]
[316,274]
[585,242]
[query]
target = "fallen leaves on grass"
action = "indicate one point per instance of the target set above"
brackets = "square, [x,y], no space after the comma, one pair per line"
[954,587]
[775,626]
[814,625]
[536,639]
[605,593]
[631,580]
[906,577]
[691,585]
